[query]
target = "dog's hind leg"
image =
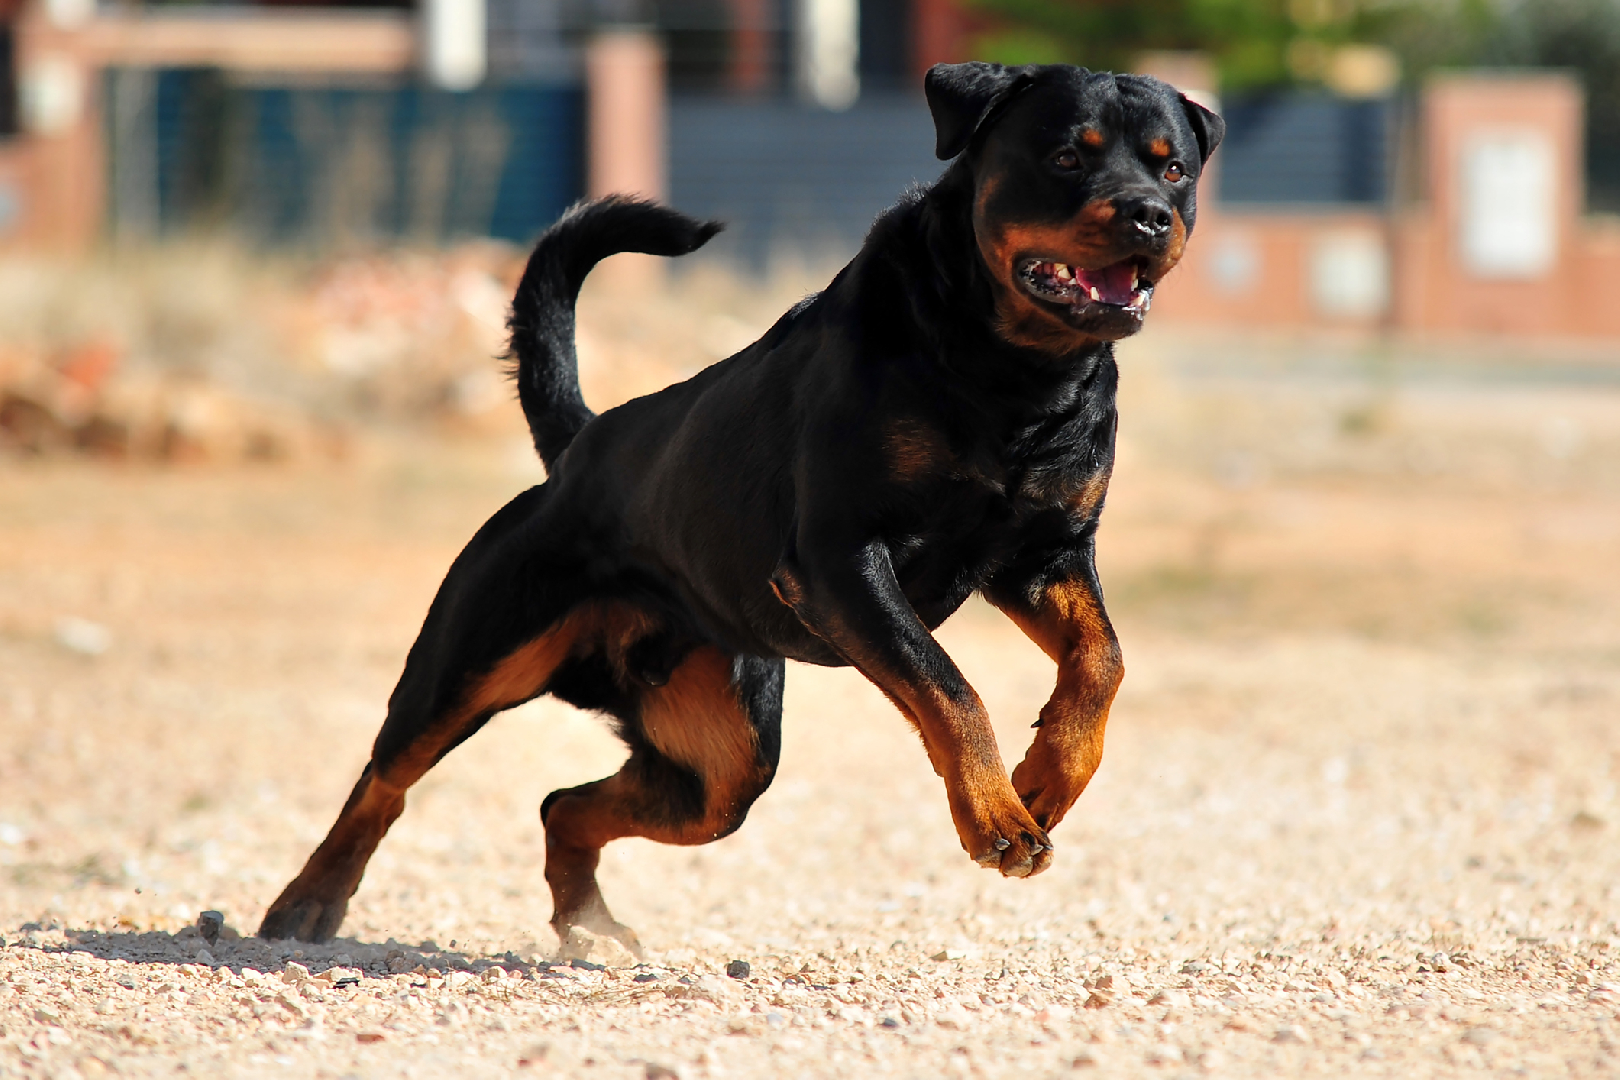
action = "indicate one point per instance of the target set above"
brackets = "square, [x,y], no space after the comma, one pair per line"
[503,621]
[703,747]
[412,740]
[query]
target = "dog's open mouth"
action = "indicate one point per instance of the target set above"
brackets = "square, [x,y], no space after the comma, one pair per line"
[1120,285]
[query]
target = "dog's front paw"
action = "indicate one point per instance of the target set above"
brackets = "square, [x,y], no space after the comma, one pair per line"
[1048,784]
[1006,838]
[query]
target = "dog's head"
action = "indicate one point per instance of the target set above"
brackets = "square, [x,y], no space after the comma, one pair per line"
[1084,190]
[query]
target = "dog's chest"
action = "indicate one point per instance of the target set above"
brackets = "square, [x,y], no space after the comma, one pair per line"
[980,507]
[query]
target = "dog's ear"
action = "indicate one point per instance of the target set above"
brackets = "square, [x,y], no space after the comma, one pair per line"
[962,97]
[1207,127]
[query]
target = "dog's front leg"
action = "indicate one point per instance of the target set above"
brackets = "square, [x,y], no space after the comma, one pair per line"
[1066,619]
[853,601]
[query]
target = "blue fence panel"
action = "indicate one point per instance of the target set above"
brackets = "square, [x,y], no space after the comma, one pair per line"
[784,175]
[297,162]
[1292,149]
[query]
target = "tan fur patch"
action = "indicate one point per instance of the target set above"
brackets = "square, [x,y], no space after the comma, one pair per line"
[914,449]
[1086,500]
[612,628]
[1173,252]
[1069,625]
[1159,147]
[1093,137]
[1085,241]
[696,720]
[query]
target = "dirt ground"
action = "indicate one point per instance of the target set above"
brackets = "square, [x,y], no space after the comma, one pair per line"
[1359,813]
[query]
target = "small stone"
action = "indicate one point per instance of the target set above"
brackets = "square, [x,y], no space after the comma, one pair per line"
[948,954]
[294,973]
[209,925]
[661,1072]
[83,636]
[1479,1036]
[205,957]
[1164,1054]
[1289,1035]
[739,969]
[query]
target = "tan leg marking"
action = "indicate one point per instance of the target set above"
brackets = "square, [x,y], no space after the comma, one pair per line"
[313,904]
[1069,625]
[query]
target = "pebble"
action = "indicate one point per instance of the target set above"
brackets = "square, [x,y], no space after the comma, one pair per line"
[209,924]
[739,969]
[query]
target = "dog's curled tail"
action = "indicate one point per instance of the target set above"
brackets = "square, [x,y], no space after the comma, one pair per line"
[542,321]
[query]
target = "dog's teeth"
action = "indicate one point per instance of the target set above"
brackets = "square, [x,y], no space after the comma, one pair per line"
[1064,273]
[1095,295]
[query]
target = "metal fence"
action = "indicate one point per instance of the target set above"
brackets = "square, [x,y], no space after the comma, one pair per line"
[318,163]
[295,162]
[1301,149]
[789,176]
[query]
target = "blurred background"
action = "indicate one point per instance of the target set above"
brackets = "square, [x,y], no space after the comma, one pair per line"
[321,205]
[254,267]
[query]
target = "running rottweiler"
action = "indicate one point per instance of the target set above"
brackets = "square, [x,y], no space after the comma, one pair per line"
[940,421]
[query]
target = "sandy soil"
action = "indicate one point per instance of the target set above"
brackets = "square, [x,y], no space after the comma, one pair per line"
[1359,812]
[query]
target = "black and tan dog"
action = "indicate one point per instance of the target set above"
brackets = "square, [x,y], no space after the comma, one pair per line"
[940,421]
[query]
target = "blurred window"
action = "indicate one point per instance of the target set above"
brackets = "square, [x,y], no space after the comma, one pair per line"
[1509,204]
[885,54]
[697,34]
[1350,273]
[8,81]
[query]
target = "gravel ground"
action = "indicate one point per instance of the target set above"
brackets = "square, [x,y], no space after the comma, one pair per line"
[1359,812]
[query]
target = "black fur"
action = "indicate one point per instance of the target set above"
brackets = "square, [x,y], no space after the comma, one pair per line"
[924,428]
[542,321]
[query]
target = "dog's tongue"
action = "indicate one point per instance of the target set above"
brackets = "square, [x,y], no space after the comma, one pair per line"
[1113,283]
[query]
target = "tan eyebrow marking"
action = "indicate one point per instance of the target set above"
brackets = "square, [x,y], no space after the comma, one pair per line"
[1091,137]
[1159,147]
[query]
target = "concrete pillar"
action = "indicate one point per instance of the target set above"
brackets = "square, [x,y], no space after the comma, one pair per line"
[624,89]
[751,47]
[1493,251]
[454,46]
[829,52]
[624,71]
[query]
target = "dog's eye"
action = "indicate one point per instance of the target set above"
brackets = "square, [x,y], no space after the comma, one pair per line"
[1173,172]
[1067,159]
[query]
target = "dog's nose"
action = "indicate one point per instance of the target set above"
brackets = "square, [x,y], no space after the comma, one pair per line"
[1150,214]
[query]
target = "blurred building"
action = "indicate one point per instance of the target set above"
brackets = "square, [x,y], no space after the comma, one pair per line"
[1455,209]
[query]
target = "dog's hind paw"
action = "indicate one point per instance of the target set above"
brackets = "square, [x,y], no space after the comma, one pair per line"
[612,950]
[306,920]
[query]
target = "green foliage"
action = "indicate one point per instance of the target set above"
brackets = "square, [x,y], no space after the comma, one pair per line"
[1257,43]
